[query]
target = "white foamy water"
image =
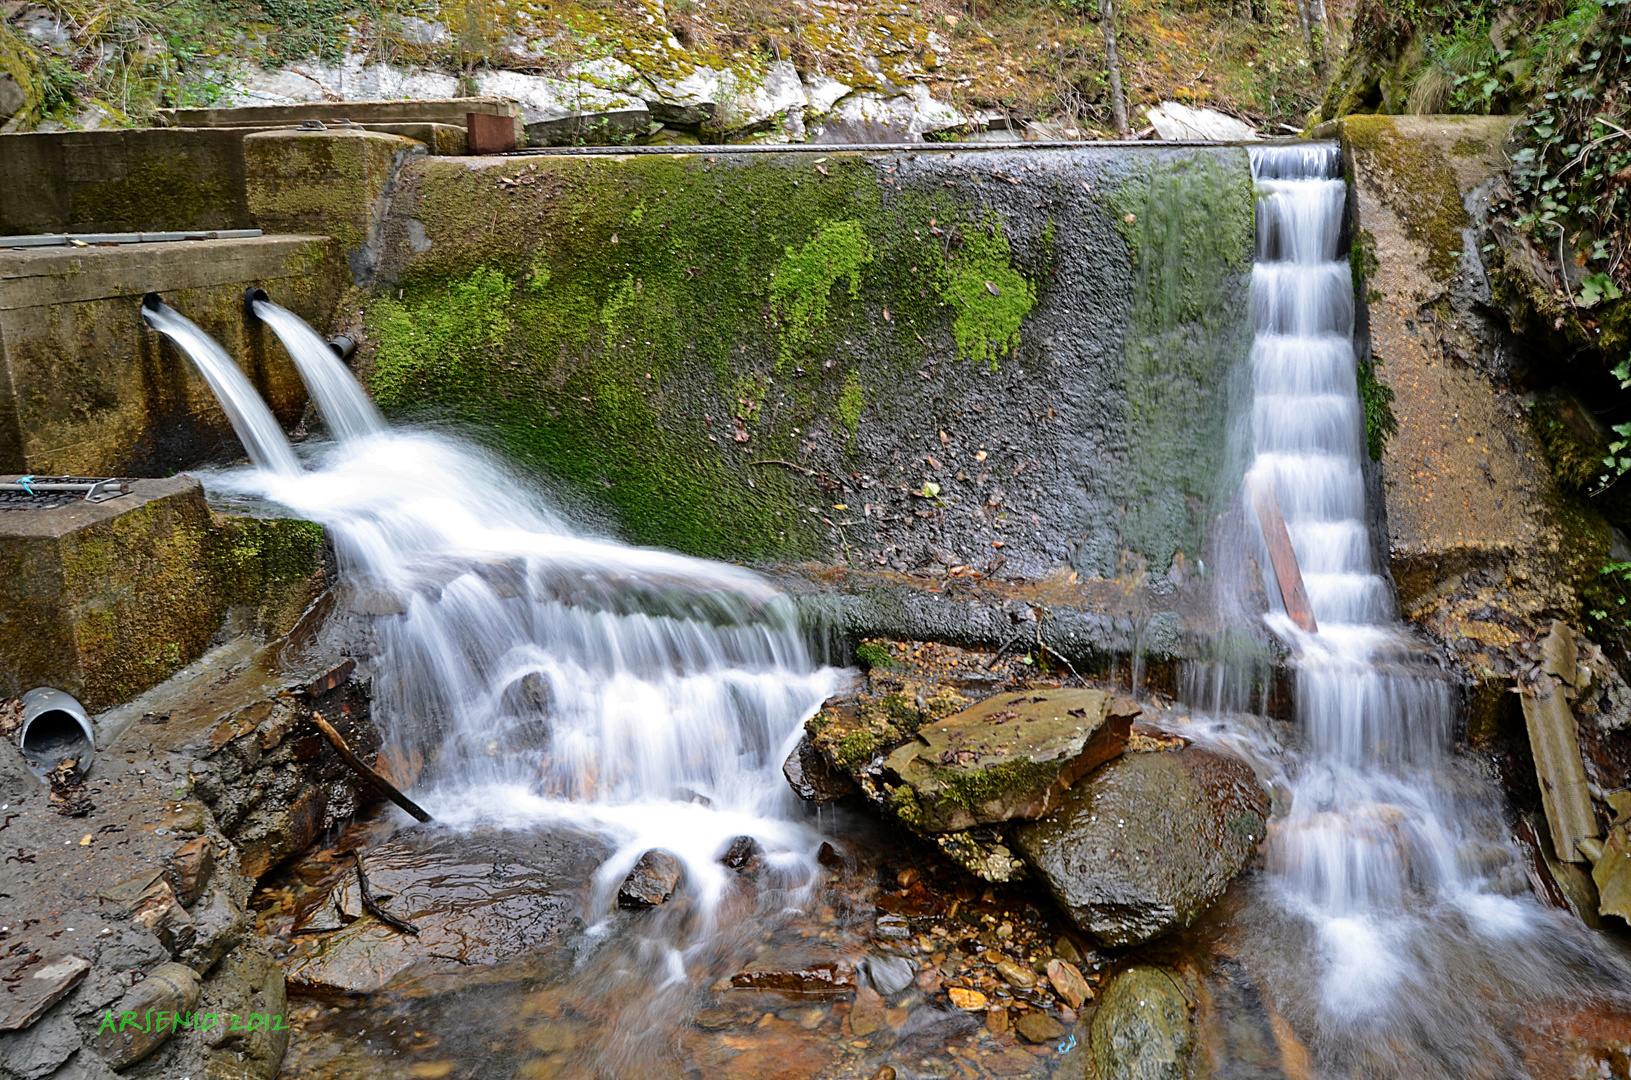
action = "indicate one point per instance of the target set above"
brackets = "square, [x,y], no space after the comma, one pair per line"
[546,676]
[256,427]
[341,402]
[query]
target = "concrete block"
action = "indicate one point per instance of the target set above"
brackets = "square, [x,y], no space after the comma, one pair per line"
[452,111]
[141,180]
[106,599]
[88,389]
[330,182]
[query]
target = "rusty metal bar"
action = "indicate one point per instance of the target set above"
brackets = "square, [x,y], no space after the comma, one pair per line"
[1281,553]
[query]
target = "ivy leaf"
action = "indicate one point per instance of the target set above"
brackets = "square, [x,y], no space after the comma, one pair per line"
[1596,288]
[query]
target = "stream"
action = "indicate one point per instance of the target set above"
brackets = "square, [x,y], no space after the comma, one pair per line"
[564,704]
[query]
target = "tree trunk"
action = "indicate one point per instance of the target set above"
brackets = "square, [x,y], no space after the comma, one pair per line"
[1118,101]
[1311,13]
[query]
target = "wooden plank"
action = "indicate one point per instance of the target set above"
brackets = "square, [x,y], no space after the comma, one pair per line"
[1562,775]
[1281,554]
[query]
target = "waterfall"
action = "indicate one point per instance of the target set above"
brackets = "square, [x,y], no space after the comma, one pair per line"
[254,423]
[341,401]
[542,675]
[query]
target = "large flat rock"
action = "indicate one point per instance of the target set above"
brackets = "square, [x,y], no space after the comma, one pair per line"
[1144,844]
[1010,757]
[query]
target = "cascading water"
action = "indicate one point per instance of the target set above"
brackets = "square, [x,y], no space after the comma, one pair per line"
[254,423]
[341,402]
[1389,856]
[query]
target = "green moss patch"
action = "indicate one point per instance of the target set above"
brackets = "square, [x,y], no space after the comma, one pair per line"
[1412,178]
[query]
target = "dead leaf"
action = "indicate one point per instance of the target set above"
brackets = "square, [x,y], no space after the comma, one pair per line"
[992,289]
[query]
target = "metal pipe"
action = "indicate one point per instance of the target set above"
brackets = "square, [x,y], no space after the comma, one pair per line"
[343,346]
[55,729]
[251,294]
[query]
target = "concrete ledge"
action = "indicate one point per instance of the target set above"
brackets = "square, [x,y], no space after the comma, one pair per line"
[88,389]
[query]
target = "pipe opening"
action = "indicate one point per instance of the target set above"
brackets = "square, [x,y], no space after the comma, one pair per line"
[343,346]
[152,302]
[55,729]
[251,294]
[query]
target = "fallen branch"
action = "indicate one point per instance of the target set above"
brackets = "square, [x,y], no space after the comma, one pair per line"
[371,905]
[382,785]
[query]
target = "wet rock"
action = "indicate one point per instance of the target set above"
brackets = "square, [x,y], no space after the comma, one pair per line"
[192,865]
[1010,757]
[220,926]
[741,852]
[966,999]
[1141,1031]
[248,983]
[35,987]
[1068,982]
[157,909]
[1015,975]
[812,777]
[1144,844]
[1037,1026]
[889,974]
[828,979]
[651,882]
[868,1014]
[169,988]
[987,858]
[31,1054]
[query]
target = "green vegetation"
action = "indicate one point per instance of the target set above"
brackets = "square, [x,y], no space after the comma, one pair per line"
[990,297]
[801,285]
[1377,399]
[972,789]
[856,747]
[875,654]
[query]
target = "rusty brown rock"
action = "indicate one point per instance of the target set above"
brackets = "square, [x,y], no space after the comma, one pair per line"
[192,865]
[1068,982]
[1037,1026]
[868,1014]
[158,909]
[828,979]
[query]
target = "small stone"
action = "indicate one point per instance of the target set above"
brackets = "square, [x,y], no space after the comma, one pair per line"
[1066,949]
[828,856]
[1015,975]
[886,1072]
[811,776]
[1037,1026]
[157,909]
[192,865]
[741,852]
[651,882]
[868,1014]
[1068,982]
[811,1018]
[996,1020]
[896,1018]
[38,989]
[967,1000]
[908,877]
[929,980]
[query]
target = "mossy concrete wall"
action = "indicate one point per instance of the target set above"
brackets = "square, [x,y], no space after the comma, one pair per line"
[144,180]
[329,182]
[1012,361]
[104,600]
[89,389]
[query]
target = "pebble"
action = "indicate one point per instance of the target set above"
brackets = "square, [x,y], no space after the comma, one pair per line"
[966,999]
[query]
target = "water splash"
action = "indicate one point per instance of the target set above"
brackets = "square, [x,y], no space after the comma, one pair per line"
[547,676]
[341,402]
[263,440]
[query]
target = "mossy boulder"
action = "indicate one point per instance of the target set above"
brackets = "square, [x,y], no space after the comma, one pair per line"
[1142,845]
[1010,757]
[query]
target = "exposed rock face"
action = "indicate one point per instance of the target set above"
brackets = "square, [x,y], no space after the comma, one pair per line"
[1176,121]
[813,777]
[1144,844]
[170,988]
[1010,757]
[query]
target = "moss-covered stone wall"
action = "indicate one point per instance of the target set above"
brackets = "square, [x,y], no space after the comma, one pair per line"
[1008,360]
[106,600]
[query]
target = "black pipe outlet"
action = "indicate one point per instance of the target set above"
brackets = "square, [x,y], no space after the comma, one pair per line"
[251,294]
[152,302]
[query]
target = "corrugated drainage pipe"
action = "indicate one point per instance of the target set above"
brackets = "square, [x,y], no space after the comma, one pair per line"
[55,727]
